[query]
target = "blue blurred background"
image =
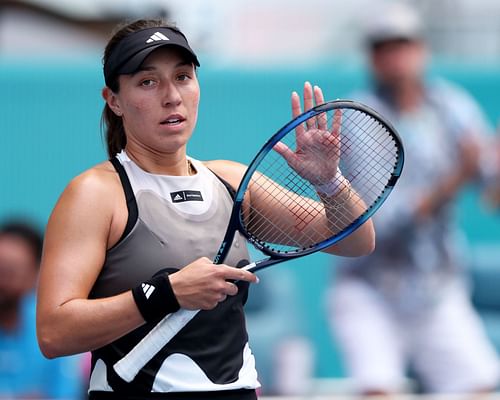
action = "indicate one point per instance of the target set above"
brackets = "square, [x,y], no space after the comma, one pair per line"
[253,54]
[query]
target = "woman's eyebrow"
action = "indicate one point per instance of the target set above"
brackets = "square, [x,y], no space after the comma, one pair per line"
[149,68]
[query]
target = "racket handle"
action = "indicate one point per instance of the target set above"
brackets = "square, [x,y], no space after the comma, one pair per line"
[129,366]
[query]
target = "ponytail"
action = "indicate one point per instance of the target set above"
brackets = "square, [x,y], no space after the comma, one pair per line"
[114,132]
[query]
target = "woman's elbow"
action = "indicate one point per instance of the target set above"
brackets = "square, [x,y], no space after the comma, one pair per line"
[362,248]
[368,247]
[368,242]
[360,243]
[49,341]
[47,344]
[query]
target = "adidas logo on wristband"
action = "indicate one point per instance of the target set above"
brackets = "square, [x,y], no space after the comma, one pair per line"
[147,289]
[155,298]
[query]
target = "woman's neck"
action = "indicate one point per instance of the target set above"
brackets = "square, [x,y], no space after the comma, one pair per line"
[175,164]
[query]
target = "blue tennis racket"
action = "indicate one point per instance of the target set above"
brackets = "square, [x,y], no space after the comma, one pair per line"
[289,207]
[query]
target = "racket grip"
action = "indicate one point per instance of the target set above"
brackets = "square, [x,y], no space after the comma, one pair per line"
[129,366]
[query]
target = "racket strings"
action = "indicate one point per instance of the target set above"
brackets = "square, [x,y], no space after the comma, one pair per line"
[380,141]
[368,156]
[257,222]
[384,160]
[304,212]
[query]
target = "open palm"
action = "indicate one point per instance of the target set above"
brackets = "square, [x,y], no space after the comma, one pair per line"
[317,152]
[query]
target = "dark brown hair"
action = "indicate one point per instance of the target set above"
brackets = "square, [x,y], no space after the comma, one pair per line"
[112,124]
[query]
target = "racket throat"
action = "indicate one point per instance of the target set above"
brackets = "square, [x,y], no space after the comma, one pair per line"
[261,264]
[222,253]
[250,267]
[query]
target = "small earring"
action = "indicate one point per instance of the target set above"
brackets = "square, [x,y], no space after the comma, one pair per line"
[119,113]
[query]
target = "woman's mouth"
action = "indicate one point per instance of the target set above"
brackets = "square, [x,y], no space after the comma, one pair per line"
[173,120]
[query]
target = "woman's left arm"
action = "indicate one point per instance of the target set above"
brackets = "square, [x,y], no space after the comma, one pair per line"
[304,224]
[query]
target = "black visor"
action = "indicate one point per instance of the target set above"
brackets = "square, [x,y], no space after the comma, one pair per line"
[132,50]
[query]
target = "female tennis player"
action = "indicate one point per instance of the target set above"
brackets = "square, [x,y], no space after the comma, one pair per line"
[132,239]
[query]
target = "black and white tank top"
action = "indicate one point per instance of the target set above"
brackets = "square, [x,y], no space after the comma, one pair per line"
[174,220]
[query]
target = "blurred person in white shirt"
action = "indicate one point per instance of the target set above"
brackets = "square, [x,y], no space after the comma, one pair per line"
[406,307]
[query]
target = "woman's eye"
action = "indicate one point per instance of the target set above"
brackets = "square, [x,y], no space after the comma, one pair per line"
[147,82]
[183,77]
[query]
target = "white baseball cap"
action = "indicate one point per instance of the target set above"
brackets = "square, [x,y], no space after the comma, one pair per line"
[392,21]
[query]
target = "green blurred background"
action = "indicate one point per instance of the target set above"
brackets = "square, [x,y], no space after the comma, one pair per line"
[50,132]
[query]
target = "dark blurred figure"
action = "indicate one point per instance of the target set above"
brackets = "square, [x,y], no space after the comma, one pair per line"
[24,372]
[491,174]
[406,307]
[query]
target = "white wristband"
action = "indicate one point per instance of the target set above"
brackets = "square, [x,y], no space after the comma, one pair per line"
[334,187]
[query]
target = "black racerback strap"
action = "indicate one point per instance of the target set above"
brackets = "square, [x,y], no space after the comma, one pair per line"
[230,189]
[133,212]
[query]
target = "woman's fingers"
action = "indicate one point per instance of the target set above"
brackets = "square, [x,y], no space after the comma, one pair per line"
[321,119]
[308,104]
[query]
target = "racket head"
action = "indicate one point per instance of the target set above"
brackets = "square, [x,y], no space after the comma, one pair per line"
[370,156]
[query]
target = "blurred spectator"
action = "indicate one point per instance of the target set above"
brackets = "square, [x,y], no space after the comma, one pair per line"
[284,355]
[407,307]
[24,372]
[491,173]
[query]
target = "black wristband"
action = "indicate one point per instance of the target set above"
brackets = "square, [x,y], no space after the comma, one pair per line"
[155,298]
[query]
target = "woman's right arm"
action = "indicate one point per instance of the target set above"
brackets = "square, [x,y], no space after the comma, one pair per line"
[74,251]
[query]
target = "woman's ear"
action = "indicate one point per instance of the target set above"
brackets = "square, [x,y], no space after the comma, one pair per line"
[110,97]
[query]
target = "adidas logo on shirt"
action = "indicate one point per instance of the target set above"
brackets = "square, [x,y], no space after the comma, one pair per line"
[186,195]
[156,37]
[147,289]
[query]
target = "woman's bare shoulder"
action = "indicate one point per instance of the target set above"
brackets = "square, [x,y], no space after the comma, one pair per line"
[96,177]
[99,183]
[231,171]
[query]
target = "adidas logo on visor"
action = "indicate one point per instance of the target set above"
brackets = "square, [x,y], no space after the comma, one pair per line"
[156,37]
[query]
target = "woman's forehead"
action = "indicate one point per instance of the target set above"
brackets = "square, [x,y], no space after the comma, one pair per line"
[167,54]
